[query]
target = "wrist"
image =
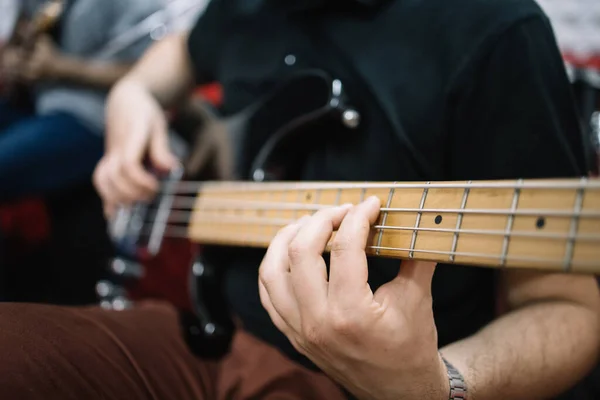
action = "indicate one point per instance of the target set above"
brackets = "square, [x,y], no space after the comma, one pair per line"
[456,387]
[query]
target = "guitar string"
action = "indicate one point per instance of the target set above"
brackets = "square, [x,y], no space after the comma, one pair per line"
[280,222]
[182,233]
[185,204]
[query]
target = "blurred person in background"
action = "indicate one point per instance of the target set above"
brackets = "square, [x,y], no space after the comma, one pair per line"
[58,60]
[54,140]
[9,10]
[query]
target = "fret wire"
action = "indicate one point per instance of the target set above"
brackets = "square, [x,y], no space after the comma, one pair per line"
[338,197]
[384,218]
[459,219]
[509,223]
[363,192]
[578,204]
[317,197]
[297,201]
[413,240]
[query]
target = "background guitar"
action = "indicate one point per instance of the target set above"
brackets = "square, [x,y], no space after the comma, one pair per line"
[24,37]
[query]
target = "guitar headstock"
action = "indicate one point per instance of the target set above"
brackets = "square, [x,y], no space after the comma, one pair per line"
[45,18]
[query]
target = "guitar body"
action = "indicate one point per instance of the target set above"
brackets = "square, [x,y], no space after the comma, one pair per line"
[266,141]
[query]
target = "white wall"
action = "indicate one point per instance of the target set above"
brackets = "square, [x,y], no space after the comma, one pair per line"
[576,24]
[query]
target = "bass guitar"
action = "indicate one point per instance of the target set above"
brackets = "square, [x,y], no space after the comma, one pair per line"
[547,225]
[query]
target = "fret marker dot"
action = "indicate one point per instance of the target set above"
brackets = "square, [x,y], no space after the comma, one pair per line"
[541,221]
[308,196]
[438,219]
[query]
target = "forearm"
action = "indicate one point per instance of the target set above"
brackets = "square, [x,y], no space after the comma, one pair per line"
[165,71]
[101,75]
[533,353]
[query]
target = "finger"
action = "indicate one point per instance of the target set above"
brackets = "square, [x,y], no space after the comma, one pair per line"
[277,319]
[132,156]
[103,185]
[160,154]
[275,277]
[136,175]
[348,272]
[419,273]
[307,267]
[412,286]
[121,189]
[138,191]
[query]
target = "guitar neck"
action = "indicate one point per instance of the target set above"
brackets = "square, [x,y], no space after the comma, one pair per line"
[541,224]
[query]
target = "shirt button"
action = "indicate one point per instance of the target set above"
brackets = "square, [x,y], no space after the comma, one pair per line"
[290,59]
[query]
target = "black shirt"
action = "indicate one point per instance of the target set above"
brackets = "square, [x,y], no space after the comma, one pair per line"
[449,90]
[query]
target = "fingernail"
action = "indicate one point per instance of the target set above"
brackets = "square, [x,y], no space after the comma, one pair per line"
[374,200]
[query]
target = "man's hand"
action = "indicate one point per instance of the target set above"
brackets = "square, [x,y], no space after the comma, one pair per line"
[136,127]
[380,345]
[11,61]
[42,63]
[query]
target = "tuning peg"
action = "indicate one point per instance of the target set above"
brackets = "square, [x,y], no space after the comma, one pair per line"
[124,268]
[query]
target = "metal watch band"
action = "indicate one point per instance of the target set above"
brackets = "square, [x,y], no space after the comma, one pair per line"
[458,387]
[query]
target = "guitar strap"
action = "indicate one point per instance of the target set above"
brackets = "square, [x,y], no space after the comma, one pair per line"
[160,22]
[336,61]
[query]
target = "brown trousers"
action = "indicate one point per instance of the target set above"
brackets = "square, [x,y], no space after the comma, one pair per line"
[51,352]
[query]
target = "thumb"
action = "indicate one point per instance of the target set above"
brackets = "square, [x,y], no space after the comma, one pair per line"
[419,273]
[413,281]
[159,151]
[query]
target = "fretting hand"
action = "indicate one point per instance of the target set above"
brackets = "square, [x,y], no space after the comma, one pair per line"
[11,61]
[39,64]
[380,345]
[42,62]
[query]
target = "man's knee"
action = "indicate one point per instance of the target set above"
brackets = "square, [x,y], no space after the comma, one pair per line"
[54,352]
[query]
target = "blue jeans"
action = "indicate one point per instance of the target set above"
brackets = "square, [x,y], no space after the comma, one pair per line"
[40,155]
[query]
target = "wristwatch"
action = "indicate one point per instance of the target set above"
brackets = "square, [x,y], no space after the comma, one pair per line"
[458,387]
